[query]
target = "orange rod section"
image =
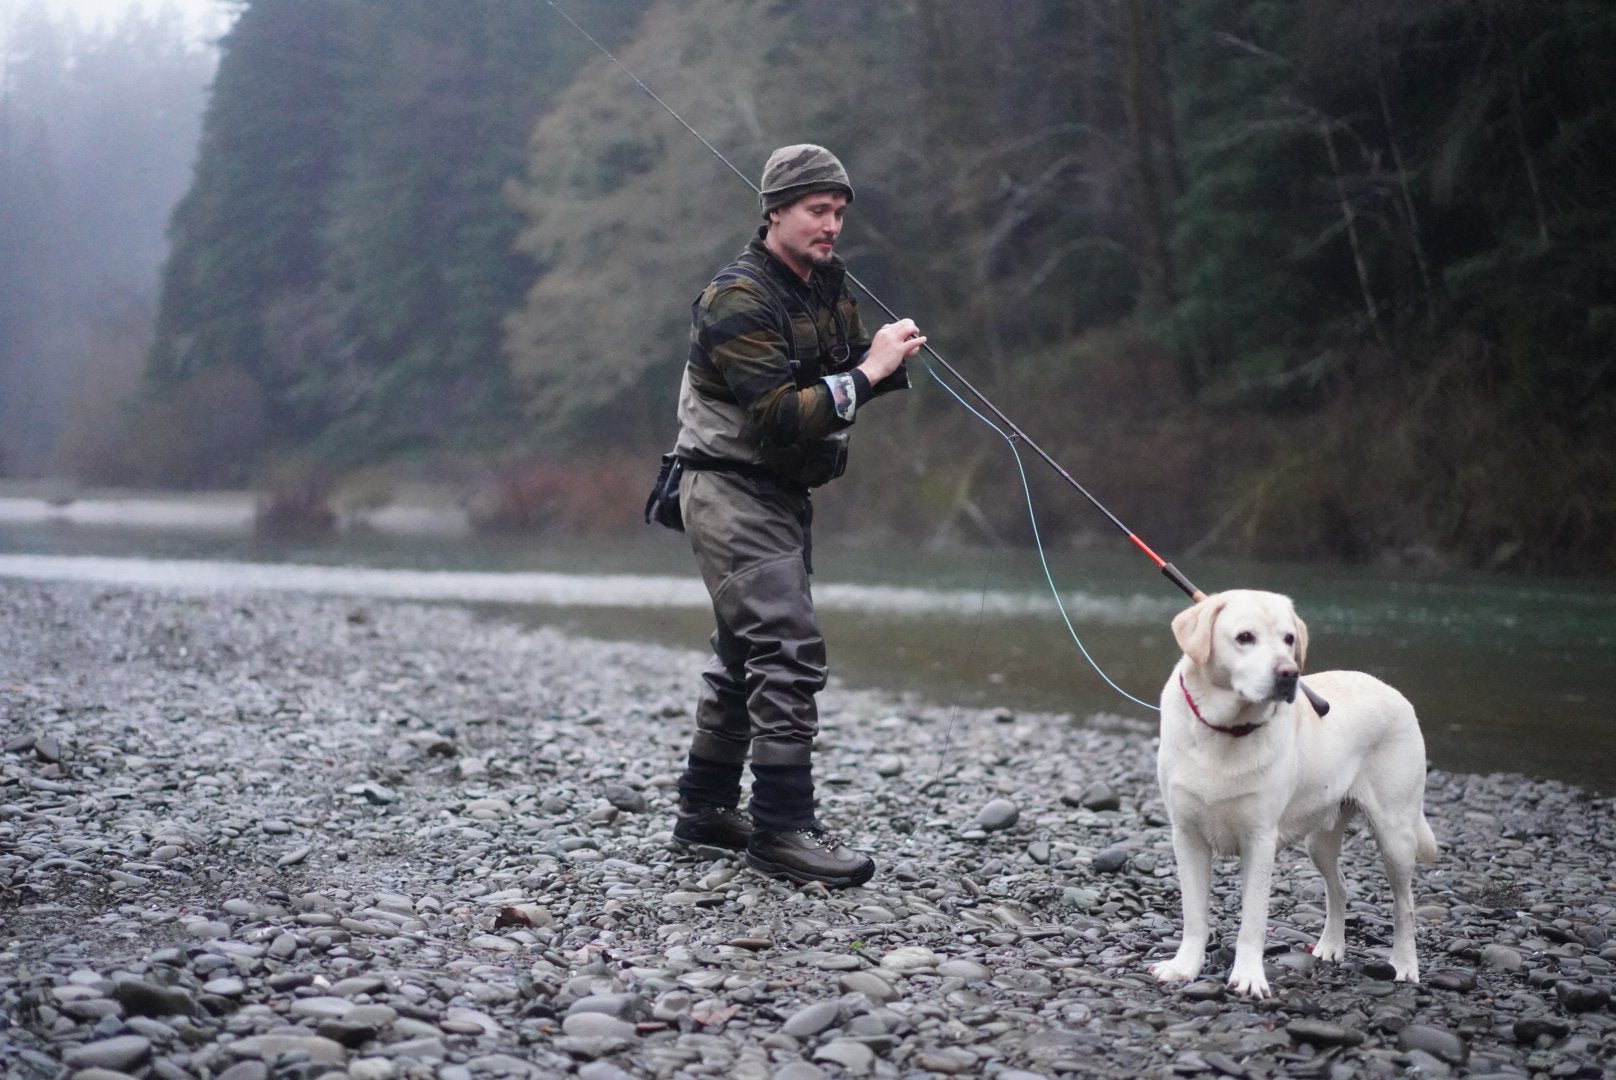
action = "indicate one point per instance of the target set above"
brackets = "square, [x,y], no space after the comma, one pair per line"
[1142,546]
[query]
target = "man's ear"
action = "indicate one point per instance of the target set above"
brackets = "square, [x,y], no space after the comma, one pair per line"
[1192,628]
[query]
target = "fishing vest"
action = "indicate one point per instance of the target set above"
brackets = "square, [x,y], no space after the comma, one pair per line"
[822,335]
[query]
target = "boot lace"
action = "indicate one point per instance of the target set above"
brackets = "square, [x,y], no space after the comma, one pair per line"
[821,837]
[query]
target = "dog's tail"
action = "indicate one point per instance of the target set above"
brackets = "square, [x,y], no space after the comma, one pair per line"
[1425,848]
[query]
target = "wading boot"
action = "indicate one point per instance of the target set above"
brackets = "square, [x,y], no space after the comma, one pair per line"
[706,825]
[804,855]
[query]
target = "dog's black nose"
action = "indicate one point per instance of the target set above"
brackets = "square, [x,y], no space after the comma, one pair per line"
[1285,680]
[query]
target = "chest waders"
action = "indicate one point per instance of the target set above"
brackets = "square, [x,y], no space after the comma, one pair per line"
[751,533]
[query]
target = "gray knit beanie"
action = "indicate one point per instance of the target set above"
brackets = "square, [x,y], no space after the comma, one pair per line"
[802,169]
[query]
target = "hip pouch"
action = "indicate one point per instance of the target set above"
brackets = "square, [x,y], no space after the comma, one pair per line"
[662,507]
[810,463]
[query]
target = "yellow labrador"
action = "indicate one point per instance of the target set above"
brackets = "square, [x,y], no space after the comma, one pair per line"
[1245,767]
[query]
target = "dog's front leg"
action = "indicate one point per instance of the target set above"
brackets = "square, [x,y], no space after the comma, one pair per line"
[1256,878]
[1194,858]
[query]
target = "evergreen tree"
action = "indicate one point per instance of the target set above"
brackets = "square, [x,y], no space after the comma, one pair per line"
[421,268]
[347,245]
[244,277]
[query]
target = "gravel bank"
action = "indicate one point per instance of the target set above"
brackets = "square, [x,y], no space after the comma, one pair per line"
[256,836]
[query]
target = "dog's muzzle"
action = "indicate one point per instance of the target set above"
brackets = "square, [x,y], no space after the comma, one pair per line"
[1285,682]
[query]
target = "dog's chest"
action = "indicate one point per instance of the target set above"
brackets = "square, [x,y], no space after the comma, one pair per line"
[1223,810]
[1227,809]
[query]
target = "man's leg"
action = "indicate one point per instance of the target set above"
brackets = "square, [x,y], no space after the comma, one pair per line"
[772,609]
[723,730]
[769,607]
[710,787]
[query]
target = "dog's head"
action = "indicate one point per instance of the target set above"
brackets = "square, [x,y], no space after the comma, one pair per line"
[1250,642]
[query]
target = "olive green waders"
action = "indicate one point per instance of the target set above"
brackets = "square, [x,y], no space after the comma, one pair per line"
[752,541]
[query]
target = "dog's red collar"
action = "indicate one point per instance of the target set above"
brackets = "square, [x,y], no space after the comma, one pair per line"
[1238,731]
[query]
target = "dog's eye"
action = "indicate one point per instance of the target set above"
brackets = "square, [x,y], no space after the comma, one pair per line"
[1290,639]
[1245,637]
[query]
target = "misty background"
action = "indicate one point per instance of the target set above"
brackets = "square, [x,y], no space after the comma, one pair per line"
[99,121]
[1274,278]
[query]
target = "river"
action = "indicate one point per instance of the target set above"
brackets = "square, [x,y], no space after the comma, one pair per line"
[1508,675]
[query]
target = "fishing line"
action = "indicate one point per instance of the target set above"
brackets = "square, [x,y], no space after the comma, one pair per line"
[652,93]
[1032,517]
[1038,542]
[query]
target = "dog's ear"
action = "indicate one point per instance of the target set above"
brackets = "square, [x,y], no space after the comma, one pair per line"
[1301,640]
[1192,628]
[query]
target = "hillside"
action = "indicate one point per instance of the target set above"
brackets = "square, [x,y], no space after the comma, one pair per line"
[1274,279]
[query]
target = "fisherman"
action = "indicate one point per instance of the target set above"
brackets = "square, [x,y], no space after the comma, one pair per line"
[779,366]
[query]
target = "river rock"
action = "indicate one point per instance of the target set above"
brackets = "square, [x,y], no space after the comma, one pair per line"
[592,1025]
[1502,957]
[998,814]
[909,958]
[1113,858]
[1578,998]
[869,984]
[849,1054]
[1322,1033]
[812,1019]
[1444,1045]
[121,1053]
[1099,796]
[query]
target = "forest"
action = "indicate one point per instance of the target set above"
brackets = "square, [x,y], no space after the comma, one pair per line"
[1273,278]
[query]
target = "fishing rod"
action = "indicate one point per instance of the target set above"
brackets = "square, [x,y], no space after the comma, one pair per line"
[1171,572]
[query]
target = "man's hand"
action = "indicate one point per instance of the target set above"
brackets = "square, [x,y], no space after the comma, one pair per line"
[892,345]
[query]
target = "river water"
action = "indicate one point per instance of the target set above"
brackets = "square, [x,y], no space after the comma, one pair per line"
[1508,675]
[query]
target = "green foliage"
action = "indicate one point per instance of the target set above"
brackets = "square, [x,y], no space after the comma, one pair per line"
[246,237]
[348,241]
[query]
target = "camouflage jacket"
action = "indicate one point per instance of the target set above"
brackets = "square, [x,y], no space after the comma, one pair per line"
[761,392]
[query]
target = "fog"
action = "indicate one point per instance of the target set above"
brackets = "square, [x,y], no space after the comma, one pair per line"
[100,109]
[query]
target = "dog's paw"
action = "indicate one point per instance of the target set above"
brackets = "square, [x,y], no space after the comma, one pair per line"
[1329,952]
[1249,979]
[1175,970]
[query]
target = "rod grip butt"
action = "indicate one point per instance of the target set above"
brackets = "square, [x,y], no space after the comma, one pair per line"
[1320,706]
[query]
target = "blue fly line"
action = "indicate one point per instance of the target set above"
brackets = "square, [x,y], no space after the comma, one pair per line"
[1037,539]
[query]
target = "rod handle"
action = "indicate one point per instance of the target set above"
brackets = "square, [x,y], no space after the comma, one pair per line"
[1320,706]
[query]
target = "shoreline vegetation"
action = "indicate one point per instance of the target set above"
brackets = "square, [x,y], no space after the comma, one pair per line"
[554,501]
[276,835]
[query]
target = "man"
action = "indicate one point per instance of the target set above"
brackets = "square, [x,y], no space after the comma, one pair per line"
[779,366]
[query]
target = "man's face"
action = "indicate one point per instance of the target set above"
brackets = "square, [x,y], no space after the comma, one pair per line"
[803,234]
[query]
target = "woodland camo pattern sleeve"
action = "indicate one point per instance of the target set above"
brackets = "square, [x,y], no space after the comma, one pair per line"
[741,356]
